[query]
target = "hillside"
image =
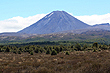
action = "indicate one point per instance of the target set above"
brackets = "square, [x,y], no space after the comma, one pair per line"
[96,35]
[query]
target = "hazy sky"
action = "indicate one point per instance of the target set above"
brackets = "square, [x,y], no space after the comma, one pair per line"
[18,14]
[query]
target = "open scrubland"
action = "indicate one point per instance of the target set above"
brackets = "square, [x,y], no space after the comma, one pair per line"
[55,59]
[75,62]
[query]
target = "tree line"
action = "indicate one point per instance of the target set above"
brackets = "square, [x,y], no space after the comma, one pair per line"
[53,49]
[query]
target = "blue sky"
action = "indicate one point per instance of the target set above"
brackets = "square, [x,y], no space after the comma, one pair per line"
[18,14]
[25,8]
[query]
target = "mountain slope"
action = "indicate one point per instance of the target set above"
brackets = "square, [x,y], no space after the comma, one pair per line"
[56,21]
[105,26]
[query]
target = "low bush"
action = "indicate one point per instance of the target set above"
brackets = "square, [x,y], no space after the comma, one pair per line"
[67,53]
[54,52]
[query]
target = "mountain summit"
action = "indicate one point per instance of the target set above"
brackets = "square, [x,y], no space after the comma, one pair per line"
[56,21]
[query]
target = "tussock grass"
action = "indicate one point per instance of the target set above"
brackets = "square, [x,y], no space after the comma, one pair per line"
[75,62]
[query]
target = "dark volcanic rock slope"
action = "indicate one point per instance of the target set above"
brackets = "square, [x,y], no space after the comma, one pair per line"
[56,21]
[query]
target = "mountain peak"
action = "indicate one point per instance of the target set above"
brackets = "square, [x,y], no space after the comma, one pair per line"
[56,21]
[58,11]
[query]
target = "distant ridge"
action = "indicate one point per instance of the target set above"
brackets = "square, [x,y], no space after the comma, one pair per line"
[56,21]
[105,26]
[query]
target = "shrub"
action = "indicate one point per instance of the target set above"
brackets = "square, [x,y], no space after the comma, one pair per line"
[30,50]
[72,46]
[57,49]
[42,50]
[14,52]
[84,47]
[19,52]
[37,50]
[31,53]
[7,49]
[48,51]
[54,52]
[67,53]
[95,45]
[0,50]
[104,47]
[78,46]
[61,49]
[94,50]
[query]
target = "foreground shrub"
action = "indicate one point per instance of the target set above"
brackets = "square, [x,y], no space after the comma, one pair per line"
[48,51]
[104,47]
[37,50]
[94,50]
[54,52]
[84,47]
[67,53]
[7,49]
[57,49]
[95,45]
[31,53]
[14,52]
[78,46]
[19,52]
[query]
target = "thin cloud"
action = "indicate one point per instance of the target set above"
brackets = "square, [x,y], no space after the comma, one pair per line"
[18,23]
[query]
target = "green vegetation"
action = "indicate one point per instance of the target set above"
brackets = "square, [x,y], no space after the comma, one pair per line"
[95,45]
[54,52]
[55,57]
[48,51]
[67,53]
[78,47]
[100,36]
[31,53]
[88,52]
[53,48]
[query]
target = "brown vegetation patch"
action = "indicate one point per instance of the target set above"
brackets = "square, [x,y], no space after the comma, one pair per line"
[76,62]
